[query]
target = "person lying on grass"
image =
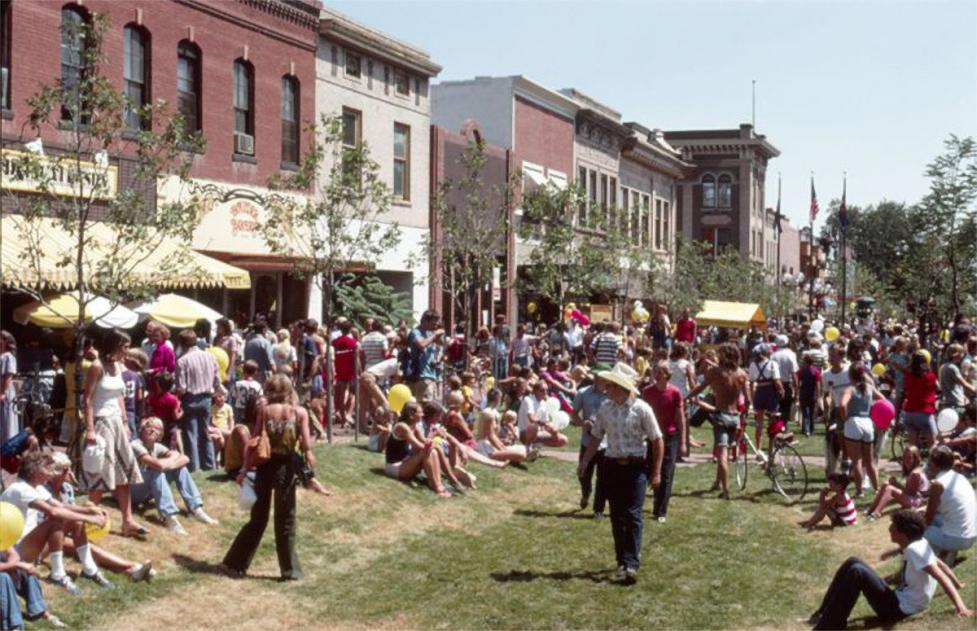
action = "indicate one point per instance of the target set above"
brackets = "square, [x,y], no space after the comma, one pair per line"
[834,503]
[59,485]
[45,522]
[447,448]
[159,467]
[19,577]
[456,426]
[915,584]
[488,442]
[408,453]
[911,494]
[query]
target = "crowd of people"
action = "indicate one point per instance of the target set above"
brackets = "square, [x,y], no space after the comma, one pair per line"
[253,401]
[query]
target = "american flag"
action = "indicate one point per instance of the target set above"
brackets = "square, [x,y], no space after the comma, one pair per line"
[814,202]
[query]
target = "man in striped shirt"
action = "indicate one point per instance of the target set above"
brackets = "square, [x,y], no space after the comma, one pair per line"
[606,346]
[197,374]
[373,346]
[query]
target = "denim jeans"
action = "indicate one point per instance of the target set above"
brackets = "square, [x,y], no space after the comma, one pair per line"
[10,616]
[852,579]
[807,417]
[29,588]
[664,491]
[586,485]
[196,441]
[277,477]
[626,486]
[156,486]
[943,542]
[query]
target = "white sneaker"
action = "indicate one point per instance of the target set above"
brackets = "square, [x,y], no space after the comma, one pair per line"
[201,516]
[174,525]
[141,572]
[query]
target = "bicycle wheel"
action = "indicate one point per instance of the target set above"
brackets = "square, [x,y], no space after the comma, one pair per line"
[741,467]
[788,473]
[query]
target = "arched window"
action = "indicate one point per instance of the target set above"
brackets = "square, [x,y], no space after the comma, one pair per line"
[188,85]
[708,191]
[243,107]
[135,74]
[73,25]
[725,191]
[290,120]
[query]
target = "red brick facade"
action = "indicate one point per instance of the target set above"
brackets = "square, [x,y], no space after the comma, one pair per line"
[543,137]
[278,38]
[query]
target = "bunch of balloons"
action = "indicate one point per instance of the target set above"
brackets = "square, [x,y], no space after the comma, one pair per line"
[639,313]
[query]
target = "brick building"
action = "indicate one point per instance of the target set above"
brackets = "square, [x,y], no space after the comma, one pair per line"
[721,199]
[241,72]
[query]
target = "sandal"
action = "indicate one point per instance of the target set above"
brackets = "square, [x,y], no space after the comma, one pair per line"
[138,531]
[444,494]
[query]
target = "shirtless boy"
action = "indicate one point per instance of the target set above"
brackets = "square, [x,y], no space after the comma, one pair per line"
[728,383]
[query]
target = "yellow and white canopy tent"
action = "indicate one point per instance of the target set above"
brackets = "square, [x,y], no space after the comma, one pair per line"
[177,311]
[61,312]
[41,256]
[733,315]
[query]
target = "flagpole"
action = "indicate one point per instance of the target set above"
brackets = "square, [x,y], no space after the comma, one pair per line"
[753,108]
[813,261]
[779,232]
[844,249]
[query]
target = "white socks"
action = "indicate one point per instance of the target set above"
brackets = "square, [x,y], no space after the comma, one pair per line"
[57,564]
[84,554]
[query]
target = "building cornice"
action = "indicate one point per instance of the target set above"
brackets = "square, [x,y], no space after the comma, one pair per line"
[544,97]
[346,31]
[653,158]
[232,17]
[296,11]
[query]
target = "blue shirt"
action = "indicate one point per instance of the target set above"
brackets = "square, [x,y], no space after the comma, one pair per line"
[586,403]
[425,357]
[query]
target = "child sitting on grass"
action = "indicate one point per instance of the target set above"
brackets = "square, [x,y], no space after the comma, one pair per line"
[834,503]
[910,495]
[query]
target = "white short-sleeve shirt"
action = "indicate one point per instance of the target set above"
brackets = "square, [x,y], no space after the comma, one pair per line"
[627,426]
[917,587]
[21,494]
[531,405]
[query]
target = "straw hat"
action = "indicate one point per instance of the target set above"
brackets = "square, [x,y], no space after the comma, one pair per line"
[621,375]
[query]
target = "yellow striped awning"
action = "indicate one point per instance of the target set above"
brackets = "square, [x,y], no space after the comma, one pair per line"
[43,255]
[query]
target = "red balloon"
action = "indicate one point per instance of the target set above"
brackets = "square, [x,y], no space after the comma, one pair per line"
[584,320]
[882,413]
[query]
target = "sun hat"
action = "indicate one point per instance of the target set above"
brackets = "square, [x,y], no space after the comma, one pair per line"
[621,375]
[93,458]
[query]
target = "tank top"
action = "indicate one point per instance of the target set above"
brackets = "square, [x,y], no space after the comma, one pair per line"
[859,404]
[958,505]
[847,513]
[397,450]
[105,399]
[283,434]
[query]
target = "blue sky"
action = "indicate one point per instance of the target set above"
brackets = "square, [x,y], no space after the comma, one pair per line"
[868,87]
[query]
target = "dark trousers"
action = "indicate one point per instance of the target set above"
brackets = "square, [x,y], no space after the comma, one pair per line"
[626,485]
[786,402]
[277,477]
[196,441]
[852,579]
[586,486]
[807,417]
[664,490]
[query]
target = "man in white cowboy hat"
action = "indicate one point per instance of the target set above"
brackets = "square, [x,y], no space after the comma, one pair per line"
[629,424]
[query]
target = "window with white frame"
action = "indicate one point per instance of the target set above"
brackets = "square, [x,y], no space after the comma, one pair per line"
[708,191]
[401,162]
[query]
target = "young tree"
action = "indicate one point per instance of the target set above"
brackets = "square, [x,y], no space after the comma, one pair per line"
[341,226]
[117,228]
[472,220]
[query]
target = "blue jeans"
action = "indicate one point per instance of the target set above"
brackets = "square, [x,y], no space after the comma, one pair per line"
[807,417]
[29,589]
[626,486]
[156,486]
[586,482]
[196,442]
[853,579]
[943,542]
[664,491]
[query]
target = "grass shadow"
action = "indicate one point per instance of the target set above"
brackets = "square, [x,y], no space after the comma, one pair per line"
[221,476]
[522,576]
[199,566]
[571,514]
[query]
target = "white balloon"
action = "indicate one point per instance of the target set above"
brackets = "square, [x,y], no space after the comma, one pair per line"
[560,420]
[947,419]
[553,405]
[817,326]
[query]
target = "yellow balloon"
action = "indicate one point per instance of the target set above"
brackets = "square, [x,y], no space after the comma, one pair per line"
[94,533]
[222,359]
[925,353]
[531,308]
[635,315]
[831,333]
[11,524]
[398,396]
[571,306]
[878,370]
[490,382]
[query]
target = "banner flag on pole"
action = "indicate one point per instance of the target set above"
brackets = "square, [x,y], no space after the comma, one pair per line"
[814,202]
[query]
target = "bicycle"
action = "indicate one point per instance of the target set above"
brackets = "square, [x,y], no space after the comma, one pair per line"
[784,466]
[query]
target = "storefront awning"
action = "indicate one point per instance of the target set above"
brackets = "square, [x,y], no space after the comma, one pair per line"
[736,315]
[45,259]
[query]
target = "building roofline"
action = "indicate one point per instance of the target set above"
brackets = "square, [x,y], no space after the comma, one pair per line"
[744,136]
[335,25]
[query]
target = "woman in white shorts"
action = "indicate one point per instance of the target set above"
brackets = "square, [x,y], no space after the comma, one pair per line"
[490,445]
[407,453]
[856,405]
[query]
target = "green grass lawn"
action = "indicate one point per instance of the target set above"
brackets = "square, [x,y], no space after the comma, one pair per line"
[514,554]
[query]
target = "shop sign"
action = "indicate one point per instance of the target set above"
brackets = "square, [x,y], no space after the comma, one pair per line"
[59,176]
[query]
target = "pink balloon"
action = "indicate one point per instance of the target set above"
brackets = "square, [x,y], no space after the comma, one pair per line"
[882,413]
[584,320]
[575,314]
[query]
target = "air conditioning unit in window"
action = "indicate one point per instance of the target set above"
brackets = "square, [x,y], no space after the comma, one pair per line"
[244,143]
